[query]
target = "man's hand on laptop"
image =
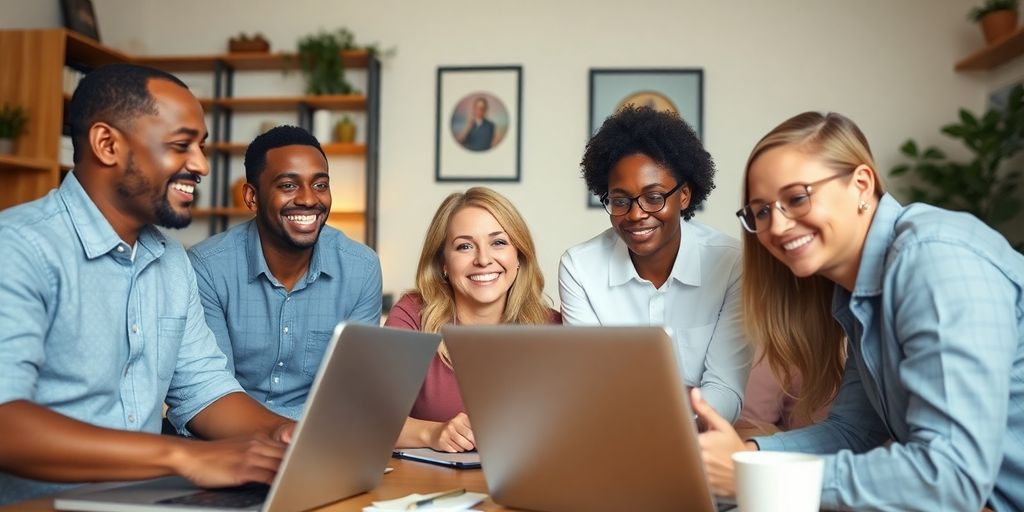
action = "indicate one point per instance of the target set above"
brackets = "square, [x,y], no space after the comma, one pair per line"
[454,435]
[232,462]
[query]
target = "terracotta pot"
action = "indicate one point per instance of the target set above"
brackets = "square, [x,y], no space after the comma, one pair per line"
[6,146]
[997,25]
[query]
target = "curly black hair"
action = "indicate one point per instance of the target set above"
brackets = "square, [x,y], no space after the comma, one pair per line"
[663,137]
[276,137]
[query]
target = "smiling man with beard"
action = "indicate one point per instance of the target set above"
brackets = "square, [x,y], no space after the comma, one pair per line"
[101,321]
[275,287]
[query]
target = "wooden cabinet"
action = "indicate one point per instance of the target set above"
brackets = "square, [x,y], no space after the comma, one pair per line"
[31,74]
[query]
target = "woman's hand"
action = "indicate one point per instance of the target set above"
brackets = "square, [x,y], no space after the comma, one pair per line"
[454,435]
[717,444]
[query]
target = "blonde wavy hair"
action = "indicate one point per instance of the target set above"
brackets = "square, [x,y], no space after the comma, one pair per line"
[525,304]
[792,316]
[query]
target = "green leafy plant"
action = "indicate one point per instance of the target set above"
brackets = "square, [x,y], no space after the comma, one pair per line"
[977,13]
[321,63]
[12,121]
[982,186]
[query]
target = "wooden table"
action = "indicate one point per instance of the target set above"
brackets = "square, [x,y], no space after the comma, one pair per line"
[407,478]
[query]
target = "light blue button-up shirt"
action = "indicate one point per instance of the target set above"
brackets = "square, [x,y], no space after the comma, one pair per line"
[936,363]
[93,335]
[275,339]
[700,302]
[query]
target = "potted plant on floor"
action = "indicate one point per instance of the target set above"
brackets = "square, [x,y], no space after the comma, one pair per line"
[998,18]
[988,185]
[12,125]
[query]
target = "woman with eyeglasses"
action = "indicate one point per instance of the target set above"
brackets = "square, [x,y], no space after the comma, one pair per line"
[656,266]
[929,412]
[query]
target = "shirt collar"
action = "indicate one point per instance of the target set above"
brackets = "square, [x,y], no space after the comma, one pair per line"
[94,230]
[880,237]
[685,269]
[258,263]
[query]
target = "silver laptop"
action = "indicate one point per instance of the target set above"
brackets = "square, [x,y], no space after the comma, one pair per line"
[367,383]
[580,418]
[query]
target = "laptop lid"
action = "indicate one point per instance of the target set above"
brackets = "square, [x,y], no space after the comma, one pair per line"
[580,418]
[363,391]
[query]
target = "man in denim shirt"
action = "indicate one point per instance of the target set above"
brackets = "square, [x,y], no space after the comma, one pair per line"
[274,288]
[101,322]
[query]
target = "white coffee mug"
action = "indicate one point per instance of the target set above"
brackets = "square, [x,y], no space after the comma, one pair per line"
[778,481]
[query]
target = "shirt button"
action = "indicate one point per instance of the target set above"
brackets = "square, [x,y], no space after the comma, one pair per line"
[131,418]
[270,401]
[286,330]
[280,363]
[277,379]
[135,328]
[287,299]
[120,248]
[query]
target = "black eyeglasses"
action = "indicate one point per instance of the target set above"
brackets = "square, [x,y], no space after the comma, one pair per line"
[794,202]
[650,202]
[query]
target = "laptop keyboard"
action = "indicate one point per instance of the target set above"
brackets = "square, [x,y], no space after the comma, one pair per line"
[229,497]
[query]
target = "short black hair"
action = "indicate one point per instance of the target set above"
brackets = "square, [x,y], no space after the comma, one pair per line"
[663,137]
[115,94]
[279,136]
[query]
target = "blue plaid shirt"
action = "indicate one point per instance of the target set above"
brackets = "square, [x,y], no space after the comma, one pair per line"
[275,339]
[936,363]
[93,335]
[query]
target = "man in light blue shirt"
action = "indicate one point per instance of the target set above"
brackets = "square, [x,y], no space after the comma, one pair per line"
[275,287]
[101,322]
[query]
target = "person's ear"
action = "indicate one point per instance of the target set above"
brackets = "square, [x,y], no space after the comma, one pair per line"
[249,196]
[685,196]
[864,180]
[106,143]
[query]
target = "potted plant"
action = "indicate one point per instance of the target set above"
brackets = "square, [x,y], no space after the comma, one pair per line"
[345,130]
[12,125]
[998,18]
[321,63]
[982,186]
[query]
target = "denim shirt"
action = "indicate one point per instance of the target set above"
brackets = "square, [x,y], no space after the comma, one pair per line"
[275,339]
[91,334]
[936,363]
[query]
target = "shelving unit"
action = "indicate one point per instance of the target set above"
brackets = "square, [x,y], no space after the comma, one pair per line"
[224,104]
[995,54]
[31,75]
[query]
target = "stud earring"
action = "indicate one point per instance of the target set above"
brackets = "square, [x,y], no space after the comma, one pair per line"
[863,206]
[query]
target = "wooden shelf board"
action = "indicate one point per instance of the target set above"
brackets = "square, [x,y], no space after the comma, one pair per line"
[285,103]
[994,54]
[89,52]
[331,149]
[246,61]
[22,163]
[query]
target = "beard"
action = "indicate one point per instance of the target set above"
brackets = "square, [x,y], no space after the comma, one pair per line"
[135,185]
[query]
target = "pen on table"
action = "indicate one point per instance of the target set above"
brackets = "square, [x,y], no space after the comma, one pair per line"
[441,495]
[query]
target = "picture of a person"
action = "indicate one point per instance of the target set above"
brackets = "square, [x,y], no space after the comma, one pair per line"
[478,133]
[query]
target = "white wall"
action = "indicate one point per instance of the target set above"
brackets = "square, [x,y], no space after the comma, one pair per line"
[886,64]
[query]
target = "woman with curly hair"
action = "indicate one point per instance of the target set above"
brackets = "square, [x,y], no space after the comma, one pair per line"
[656,266]
[478,266]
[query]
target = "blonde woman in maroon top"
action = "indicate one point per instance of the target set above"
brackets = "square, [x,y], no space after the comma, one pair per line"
[478,266]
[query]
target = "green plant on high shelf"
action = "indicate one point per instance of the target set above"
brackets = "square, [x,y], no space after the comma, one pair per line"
[321,62]
[983,186]
[12,121]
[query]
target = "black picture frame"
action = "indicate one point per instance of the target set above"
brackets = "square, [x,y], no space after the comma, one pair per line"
[80,17]
[612,88]
[473,151]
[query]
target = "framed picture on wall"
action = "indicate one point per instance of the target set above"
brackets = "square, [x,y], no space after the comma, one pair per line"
[80,17]
[479,123]
[672,89]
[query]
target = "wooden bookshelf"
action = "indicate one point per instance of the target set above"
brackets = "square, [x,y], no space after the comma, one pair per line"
[10,163]
[287,103]
[242,61]
[995,54]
